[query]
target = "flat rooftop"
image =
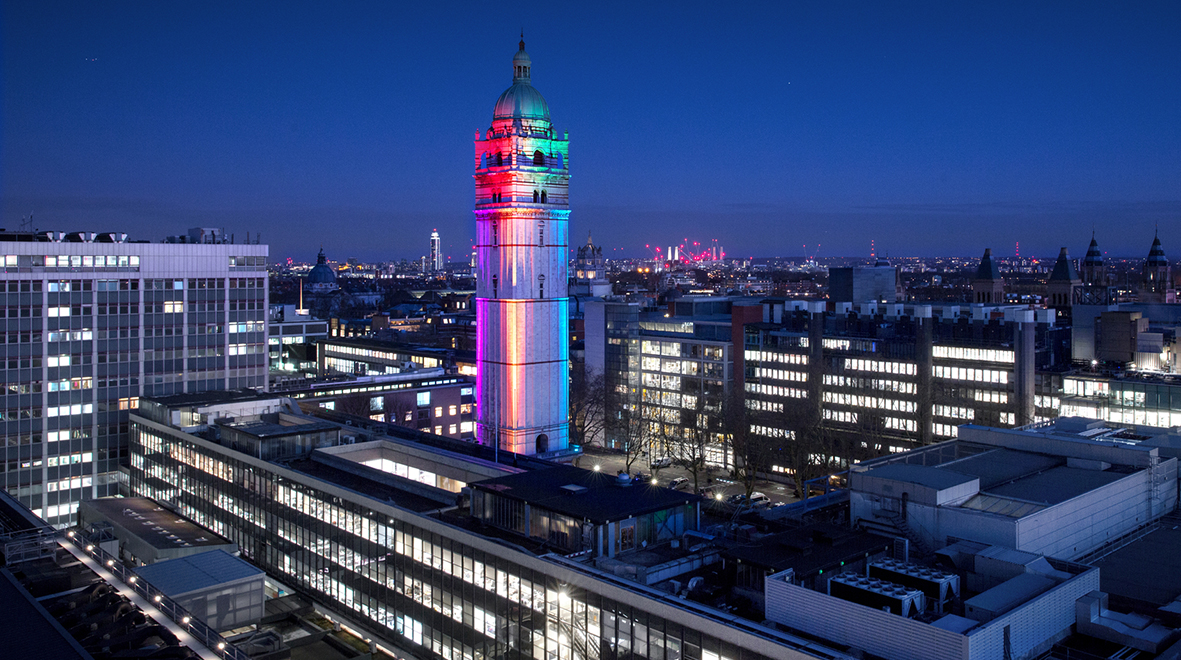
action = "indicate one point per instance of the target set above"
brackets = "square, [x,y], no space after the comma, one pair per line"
[361,485]
[1145,574]
[206,570]
[585,494]
[213,397]
[155,525]
[263,429]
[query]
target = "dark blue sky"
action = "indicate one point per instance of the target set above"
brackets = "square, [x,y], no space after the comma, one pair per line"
[936,129]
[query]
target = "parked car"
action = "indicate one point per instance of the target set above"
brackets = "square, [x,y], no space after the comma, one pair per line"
[710,492]
[679,483]
[759,500]
[662,462]
[641,477]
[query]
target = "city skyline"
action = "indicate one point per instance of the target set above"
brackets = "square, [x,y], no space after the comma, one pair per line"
[933,130]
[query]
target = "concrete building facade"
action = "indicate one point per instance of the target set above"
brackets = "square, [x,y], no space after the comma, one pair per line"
[94,322]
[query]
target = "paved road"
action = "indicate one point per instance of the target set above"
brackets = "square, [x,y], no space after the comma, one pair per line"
[612,463]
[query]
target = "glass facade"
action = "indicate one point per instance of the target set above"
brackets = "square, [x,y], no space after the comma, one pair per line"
[426,586]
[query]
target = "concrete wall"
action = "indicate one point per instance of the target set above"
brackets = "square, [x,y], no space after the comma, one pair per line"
[887,635]
[1079,525]
[1035,626]
[973,525]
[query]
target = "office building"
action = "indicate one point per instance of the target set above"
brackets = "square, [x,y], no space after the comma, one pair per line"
[436,256]
[878,283]
[372,533]
[94,322]
[900,375]
[522,223]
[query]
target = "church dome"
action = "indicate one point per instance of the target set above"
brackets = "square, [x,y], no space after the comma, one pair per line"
[522,100]
[321,273]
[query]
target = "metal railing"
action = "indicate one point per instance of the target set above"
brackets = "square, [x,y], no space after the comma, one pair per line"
[173,610]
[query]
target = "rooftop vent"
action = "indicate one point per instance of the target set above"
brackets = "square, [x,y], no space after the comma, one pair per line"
[572,489]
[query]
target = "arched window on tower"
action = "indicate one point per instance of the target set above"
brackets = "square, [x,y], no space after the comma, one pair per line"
[543,197]
[539,158]
[483,161]
[541,286]
[495,235]
[536,197]
[499,159]
[541,234]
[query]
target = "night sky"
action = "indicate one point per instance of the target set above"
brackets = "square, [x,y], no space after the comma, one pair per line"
[936,129]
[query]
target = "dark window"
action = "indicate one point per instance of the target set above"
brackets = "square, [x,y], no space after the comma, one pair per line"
[543,197]
[541,286]
[495,235]
[499,159]
[538,158]
[495,286]
[541,234]
[536,197]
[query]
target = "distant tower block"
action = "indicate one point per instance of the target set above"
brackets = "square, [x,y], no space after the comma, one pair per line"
[522,217]
[436,257]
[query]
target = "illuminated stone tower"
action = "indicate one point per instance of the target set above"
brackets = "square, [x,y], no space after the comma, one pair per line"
[522,216]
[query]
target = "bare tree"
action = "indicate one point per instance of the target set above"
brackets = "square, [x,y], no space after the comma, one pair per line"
[689,453]
[399,410]
[357,406]
[588,407]
[640,436]
[752,451]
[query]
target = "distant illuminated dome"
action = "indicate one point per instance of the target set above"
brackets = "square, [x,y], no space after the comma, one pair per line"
[321,276]
[522,100]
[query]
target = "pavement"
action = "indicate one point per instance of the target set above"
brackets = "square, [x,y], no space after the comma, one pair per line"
[612,462]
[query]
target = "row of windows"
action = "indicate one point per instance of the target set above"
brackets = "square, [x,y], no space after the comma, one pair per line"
[76,261]
[973,354]
[882,367]
[954,412]
[785,358]
[975,375]
[776,390]
[899,386]
[864,401]
[780,374]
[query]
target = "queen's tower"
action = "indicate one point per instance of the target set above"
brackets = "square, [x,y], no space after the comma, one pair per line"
[522,217]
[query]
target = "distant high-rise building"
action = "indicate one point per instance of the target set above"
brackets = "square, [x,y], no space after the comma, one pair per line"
[522,216]
[878,283]
[94,323]
[436,258]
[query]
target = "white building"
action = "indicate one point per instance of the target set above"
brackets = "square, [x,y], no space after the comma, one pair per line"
[1062,489]
[522,213]
[93,322]
[436,257]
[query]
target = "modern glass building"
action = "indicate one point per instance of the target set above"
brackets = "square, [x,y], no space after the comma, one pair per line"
[396,564]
